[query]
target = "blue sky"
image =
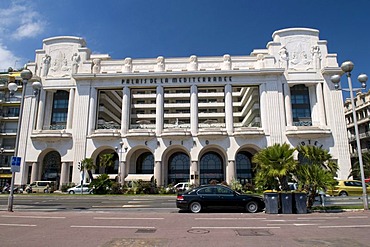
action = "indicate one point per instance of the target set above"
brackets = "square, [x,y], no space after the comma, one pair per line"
[178,28]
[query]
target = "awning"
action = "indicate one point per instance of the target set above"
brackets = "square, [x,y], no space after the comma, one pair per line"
[137,177]
[111,176]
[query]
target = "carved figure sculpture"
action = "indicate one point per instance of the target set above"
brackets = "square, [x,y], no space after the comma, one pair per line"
[75,63]
[316,56]
[227,62]
[127,64]
[193,65]
[45,65]
[283,57]
[96,66]
[160,64]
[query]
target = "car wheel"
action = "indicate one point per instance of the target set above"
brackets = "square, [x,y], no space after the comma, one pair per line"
[71,192]
[251,207]
[343,193]
[46,191]
[195,207]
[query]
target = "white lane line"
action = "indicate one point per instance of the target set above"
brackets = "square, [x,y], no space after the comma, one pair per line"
[357,217]
[290,220]
[117,227]
[135,206]
[32,217]
[235,227]
[349,226]
[136,201]
[141,199]
[318,218]
[293,224]
[107,206]
[26,225]
[117,218]
[230,218]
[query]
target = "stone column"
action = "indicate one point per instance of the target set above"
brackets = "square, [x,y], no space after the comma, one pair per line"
[158,172]
[230,171]
[229,109]
[123,172]
[313,105]
[320,101]
[48,108]
[194,110]
[159,111]
[71,102]
[194,173]
[64,174]
[263,108]
[92,112]
[288,106]
[34,172]
[125,120]
[41,111]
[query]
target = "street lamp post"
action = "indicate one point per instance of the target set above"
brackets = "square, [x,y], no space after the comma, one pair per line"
[347,68]
[13,87]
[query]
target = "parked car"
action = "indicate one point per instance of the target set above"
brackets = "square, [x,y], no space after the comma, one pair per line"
[41,187]
[218,196]
[77,189]
[347,188]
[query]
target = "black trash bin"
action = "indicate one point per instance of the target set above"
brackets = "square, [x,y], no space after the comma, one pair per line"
[300,203]
[286,200]
[271,202]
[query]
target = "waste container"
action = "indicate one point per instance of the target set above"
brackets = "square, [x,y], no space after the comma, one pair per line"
[271,202]
[286,200]
[300,203]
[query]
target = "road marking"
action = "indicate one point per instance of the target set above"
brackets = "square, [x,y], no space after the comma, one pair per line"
[135,202]
[235,227]
[26,225]
[107,206]
[117,227]
[357,217]
[230,218]
[116,218]
[318,218]
[32,217]
[349,226]
[291,220]
[293,224]
[134,206]
[142,199]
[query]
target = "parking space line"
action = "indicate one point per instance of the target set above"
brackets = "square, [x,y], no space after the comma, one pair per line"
[230,218]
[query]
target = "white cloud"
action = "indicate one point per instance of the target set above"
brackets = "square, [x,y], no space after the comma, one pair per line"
[19,21]
[7,58]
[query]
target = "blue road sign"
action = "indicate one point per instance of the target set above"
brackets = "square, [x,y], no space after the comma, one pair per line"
[16,164]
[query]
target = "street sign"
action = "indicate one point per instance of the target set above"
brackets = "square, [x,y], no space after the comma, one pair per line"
[16,164]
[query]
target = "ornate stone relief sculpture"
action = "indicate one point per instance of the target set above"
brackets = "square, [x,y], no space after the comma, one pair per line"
[193,63]
[59,65]
[96,66]
[160,64]
[260,61]
[127,64]
[283,57]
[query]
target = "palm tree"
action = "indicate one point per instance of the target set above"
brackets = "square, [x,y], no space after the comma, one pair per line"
[106,160]
[316,171]
[88,165]
[273,163]
[355,170]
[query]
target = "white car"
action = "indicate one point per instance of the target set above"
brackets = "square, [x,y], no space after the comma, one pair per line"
[77,189]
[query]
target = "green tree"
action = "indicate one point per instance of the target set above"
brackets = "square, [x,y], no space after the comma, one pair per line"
[273,165]
[106,160]
[355,170]
[88,165]
[316,171]
[101,184]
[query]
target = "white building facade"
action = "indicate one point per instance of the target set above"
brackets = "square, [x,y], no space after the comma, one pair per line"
[181,119]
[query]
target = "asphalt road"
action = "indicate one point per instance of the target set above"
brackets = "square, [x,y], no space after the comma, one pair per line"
[165,229]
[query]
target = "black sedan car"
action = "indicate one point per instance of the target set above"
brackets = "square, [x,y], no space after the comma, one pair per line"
[218,196]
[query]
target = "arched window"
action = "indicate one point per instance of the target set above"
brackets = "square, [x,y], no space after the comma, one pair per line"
[244,171]
[51,167]
[178,168]
[145,164]
[211,168]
